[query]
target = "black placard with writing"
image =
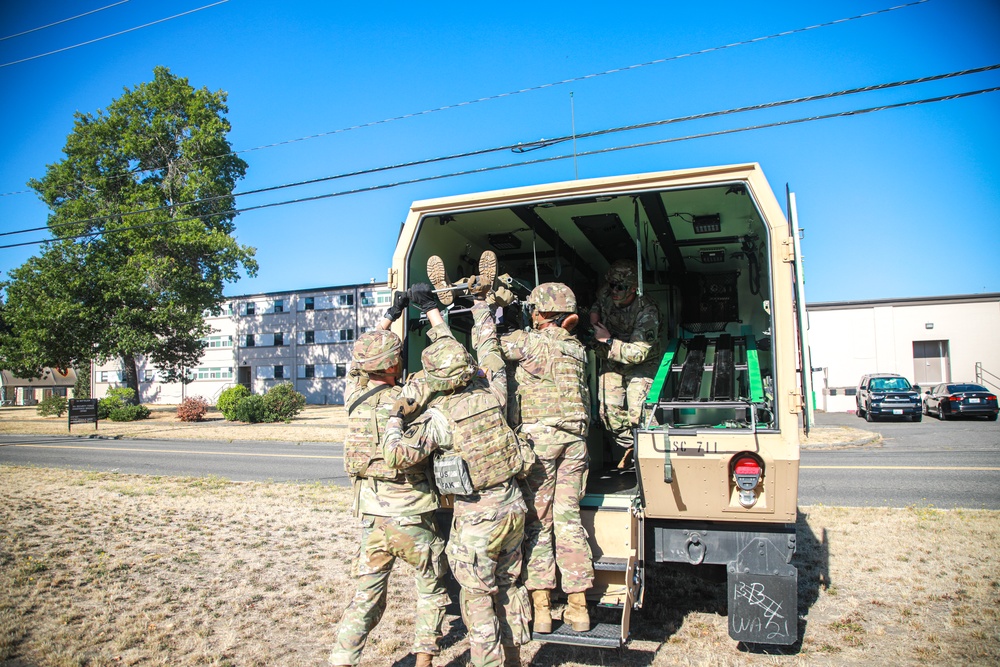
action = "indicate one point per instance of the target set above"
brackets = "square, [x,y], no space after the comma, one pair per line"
[82,411]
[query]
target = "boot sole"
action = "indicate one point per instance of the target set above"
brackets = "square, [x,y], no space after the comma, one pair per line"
[488,267]
[439,279]
[542,628]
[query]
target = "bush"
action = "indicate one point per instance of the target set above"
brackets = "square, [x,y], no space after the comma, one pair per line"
[117,398]
[252,409]
[82,387]
[229,399]
[284,402]
[129,413]
[192,409]
[52,405]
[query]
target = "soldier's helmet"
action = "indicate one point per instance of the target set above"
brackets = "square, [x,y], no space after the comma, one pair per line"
[553,298]
[376,350]
[622,272]
[447,365]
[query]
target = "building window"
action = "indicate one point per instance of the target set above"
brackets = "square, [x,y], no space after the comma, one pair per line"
[279,339]
[250,341]
[102,376]
[344,300]
[362,329]
[251,308]
[279,372]
[341,370]
[310,337]
[310,371]
[229,309]
[218,341]
[279,305]
[310,303]
[147,376]
[346,335]
[213,373]
[383,297]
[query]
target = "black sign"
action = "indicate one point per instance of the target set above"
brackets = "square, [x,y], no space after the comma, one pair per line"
[82,411]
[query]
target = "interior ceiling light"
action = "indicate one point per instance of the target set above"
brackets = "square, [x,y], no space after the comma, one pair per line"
[707,224]
[505,241]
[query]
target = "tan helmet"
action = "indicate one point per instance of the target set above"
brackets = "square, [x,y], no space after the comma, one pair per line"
[447,365]
[553,298]
[623,272]
[376,350]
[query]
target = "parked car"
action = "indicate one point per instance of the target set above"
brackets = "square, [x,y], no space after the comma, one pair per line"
[953,399]
[887,395]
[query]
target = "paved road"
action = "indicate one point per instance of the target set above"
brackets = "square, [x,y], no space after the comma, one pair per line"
[931,463]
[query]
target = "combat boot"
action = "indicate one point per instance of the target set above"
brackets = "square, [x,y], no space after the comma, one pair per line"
[439,279]
[511,656]
[488,268]
[576,612]
[541,612]
[423,660]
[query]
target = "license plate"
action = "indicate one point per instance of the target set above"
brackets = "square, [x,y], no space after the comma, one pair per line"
[973,400]
[897,412]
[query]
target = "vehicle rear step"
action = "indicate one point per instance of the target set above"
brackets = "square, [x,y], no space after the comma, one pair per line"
[603,635]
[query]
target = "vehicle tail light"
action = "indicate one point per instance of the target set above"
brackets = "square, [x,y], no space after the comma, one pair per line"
[956,399]
[991,397]
[747,471]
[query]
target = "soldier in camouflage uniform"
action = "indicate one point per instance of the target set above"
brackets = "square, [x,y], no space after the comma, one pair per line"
[552,409]
[463,428]
[396,506]
[627,328]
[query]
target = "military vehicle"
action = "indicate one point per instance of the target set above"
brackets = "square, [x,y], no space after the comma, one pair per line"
[716,456]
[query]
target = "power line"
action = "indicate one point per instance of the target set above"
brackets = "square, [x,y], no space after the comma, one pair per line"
[550,85]
[481,170]
[71,18]
[523,148]
[116,34]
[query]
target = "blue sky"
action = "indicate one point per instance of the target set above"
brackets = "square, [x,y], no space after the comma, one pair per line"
[912,189]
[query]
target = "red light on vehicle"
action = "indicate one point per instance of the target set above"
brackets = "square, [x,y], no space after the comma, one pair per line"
[991,397]
[747,466]
[956,399]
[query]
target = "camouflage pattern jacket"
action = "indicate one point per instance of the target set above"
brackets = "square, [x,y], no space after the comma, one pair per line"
[635,332]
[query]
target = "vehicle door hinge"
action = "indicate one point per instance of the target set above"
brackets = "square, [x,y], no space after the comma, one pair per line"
[393,274]
[788,250]
[795,403]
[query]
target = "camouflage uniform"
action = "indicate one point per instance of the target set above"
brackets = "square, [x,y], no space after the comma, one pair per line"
[484,549]
[630,362]
[552,400]
[397,517]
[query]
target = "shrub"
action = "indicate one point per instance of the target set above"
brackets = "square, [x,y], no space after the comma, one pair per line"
[82,387]
[229,399]
[52,405]
[119,397]
[284,402]
[129,413]
[252,409]
[192,409]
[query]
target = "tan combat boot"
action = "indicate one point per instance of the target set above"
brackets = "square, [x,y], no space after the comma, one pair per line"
[511,656]
[423,660]
[542,614]
[576,612]
[438,277]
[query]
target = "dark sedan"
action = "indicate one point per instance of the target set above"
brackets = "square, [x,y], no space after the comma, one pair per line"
[953,399]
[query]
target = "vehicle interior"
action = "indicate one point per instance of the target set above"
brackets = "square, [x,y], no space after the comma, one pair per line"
[705,261]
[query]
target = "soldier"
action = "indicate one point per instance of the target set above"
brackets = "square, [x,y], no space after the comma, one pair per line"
[552,409]
[396,506]
[627,328]
[476,457]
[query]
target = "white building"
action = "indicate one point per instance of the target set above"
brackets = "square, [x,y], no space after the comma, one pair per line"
[927,340]
[259,340]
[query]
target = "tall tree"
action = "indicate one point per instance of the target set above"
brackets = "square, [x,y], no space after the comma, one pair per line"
[142,213]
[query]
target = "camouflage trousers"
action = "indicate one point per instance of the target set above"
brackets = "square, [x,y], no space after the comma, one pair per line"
[554,534]
[484,552]
[417,541]
[622,396]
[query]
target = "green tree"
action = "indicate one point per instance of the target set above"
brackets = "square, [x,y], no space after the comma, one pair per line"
[142,212]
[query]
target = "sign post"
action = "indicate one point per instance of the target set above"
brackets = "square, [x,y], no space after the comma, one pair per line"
[82,411]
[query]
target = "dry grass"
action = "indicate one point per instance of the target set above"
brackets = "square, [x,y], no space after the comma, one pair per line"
[104,569]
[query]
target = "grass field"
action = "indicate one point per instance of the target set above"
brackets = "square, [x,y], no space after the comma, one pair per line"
[103,569]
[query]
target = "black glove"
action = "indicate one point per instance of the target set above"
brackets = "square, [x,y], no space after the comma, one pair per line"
[400,300]
[422,297]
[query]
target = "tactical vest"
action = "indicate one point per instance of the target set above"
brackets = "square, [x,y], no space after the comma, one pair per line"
[481,436]
[365,425]
[558,395]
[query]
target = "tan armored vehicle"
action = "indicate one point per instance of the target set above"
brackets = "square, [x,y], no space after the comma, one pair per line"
[716,458]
